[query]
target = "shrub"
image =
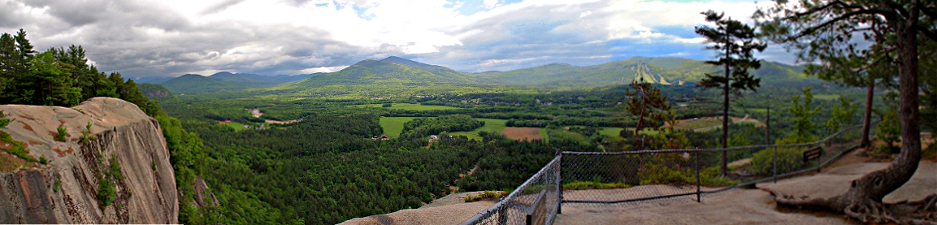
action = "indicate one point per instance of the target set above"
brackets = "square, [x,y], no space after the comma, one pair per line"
[789,160]
[106,192]
[654,173]
[485,195]
[43,160]
[582,185]
[387,105]
[60,136]
[57,186]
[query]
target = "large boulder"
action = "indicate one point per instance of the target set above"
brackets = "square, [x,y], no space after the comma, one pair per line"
[66,190]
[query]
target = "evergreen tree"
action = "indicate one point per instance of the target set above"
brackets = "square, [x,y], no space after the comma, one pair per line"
[55,85]
[651,108]
[735,43]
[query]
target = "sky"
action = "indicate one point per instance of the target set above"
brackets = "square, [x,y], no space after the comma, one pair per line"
[144,38]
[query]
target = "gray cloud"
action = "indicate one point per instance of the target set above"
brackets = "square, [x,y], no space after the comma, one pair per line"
[138,39]
[220,6]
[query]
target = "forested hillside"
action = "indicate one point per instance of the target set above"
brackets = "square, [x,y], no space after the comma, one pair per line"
[63,77]
[395,71]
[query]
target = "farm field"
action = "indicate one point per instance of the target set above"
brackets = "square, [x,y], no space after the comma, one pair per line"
[522,133]
[409,106]
[612,132]
[237,126]
[491,125]
[394,125]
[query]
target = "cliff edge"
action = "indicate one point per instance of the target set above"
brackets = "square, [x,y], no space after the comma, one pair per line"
[122,148]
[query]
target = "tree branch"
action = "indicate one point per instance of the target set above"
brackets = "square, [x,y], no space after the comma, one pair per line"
[831,4]
[845,16]
[927,32]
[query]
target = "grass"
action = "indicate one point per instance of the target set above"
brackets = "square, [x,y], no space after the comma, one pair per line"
[409,106]
[612,132]
[698,124]
[491,125]
[237,126]
[825,97]
[582,185]
[758,110]
[544,135]
[394,125]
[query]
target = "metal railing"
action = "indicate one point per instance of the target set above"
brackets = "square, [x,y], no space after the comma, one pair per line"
[632,176]
[537,201]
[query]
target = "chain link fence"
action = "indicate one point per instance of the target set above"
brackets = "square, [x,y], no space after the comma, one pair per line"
[632,176]
[620,177]
[537,201]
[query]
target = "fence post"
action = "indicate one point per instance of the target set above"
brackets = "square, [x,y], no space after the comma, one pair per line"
[774,167]
[559,182]
[818,158]
[698,199]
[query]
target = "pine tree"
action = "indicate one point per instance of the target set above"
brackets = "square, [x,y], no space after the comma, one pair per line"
[735,43]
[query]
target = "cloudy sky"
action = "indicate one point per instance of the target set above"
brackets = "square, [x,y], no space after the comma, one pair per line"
[143,38]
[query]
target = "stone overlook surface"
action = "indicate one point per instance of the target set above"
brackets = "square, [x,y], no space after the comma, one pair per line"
[66,190]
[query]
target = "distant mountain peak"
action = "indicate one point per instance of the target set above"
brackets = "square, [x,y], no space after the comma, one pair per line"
[223,73]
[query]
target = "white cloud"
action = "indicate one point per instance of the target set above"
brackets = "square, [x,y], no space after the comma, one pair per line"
[490,3]
[174,37]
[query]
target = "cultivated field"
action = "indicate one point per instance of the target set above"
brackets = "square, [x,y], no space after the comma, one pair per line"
[394,125]
[522,133]
[491,125]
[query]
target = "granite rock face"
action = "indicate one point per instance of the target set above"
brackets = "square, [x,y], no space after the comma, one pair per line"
[66,189]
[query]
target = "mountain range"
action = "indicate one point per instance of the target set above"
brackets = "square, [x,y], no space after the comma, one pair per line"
[394,71]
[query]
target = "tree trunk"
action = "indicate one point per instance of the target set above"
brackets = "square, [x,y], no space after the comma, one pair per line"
[725,123]
[867,123]
[864,198]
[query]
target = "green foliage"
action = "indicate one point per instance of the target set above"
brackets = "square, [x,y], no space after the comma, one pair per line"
[4,121]
[789,160]
[422,127]
[387,105]
[673,169]
[18,149]
[485,195]
[842,114]
[62,132]
[106,193]
[735,57]
[648,105]
[889,132]
[43,160]
[57,185]
[107,182]
[803,118]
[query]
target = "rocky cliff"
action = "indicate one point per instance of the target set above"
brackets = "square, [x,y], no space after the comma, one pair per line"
[69,189]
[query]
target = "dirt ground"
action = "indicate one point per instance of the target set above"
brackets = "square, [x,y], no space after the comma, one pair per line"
[522,133]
